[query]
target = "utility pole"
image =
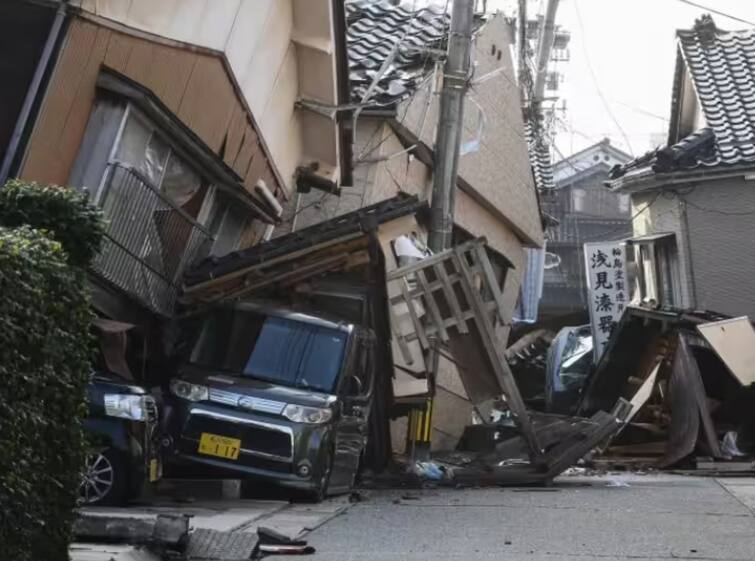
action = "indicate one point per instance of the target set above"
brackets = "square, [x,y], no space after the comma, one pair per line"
[447,143]
[525,80]
[450,126]
[544,48]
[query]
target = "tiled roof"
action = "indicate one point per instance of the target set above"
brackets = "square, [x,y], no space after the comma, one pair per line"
[540,159]
[721,65]
[374,28]
[697,149]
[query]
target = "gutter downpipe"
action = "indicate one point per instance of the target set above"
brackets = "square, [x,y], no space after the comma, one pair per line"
[33,91]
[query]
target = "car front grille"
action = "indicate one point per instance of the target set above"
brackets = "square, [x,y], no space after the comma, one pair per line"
[256,439]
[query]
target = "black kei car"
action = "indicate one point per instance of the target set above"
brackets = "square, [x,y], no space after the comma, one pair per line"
[275,395]
[122,432]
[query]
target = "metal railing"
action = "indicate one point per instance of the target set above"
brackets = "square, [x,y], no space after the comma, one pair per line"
[149,239]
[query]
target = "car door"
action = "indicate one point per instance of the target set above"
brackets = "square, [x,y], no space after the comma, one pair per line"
[354,411]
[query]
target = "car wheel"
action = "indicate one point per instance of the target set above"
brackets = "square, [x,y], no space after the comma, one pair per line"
[104,479]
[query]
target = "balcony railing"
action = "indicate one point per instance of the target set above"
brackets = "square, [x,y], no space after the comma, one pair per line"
[149,239]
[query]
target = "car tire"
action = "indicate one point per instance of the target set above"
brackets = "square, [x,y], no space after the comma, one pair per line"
[105,479]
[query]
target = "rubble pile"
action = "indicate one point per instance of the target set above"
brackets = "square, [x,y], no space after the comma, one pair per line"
[689,381]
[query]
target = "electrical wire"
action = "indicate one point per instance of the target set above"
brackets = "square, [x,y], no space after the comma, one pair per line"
[714,210]
[595,79]
[640,110]
[631,219]
[717,12]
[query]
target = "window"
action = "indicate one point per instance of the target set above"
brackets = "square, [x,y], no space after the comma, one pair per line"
[275,349]
[163,213]
[579,199]
[658,271]
[624,203]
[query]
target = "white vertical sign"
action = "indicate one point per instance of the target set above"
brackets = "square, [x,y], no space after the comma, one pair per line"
[608,290]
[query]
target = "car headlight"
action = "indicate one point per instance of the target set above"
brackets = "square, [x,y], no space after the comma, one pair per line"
[309,415]
[126,406]
[192,392]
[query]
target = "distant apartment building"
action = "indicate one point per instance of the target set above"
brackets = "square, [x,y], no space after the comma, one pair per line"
[585,211]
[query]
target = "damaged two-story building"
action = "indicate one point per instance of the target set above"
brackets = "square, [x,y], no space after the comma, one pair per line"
[395,66]
[188,123]
[693,201]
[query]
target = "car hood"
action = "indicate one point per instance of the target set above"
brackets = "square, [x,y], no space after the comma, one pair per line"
[109,383]
[255,388]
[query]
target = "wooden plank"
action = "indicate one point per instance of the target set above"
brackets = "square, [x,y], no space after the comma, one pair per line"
[430,261]
[437,284]
[209,121]
[495,355]
[118,51]
[139,60]
[235,135]
[351,241]
[489,275]
[432,305]
[43,160]
[413,315]
[298,273]
[257,167]
[453,302]
[169,73]
[402,342]
[81,108]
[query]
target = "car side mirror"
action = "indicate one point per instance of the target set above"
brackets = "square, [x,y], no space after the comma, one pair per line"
[354,386]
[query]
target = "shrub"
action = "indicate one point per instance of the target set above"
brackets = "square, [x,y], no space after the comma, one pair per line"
[45,352]
[63,213]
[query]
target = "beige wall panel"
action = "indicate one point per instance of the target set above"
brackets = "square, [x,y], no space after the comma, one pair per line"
[316,75]
[140,60]
[169,75]
[254,172]
[246,34]
[208,81]
[78,115]
[247,151]
[118,52]
[276,115]
[43,163]
[235,135]
[269,54]
[194,85]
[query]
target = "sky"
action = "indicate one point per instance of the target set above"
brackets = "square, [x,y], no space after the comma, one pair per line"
[630,45]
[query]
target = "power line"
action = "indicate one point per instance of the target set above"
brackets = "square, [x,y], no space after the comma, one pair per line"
[715,210]
[641,110]
[723,14]
[595,79]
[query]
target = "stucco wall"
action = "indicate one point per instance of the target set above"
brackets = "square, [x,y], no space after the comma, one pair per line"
[277,50]
[499,171]
[664,215]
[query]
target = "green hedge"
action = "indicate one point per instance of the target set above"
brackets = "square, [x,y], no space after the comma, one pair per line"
[45,352]
[62,212]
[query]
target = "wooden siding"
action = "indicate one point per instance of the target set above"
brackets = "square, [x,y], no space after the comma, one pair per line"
[194,86]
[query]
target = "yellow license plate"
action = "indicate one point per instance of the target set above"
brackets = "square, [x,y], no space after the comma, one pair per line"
[220,446]
[154,470]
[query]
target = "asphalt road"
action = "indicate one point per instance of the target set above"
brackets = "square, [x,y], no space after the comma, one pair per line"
[614,517]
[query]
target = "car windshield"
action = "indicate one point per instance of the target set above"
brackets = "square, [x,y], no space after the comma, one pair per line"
[279,350]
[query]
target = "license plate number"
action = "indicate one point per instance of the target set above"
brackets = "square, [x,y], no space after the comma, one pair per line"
[220,446]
